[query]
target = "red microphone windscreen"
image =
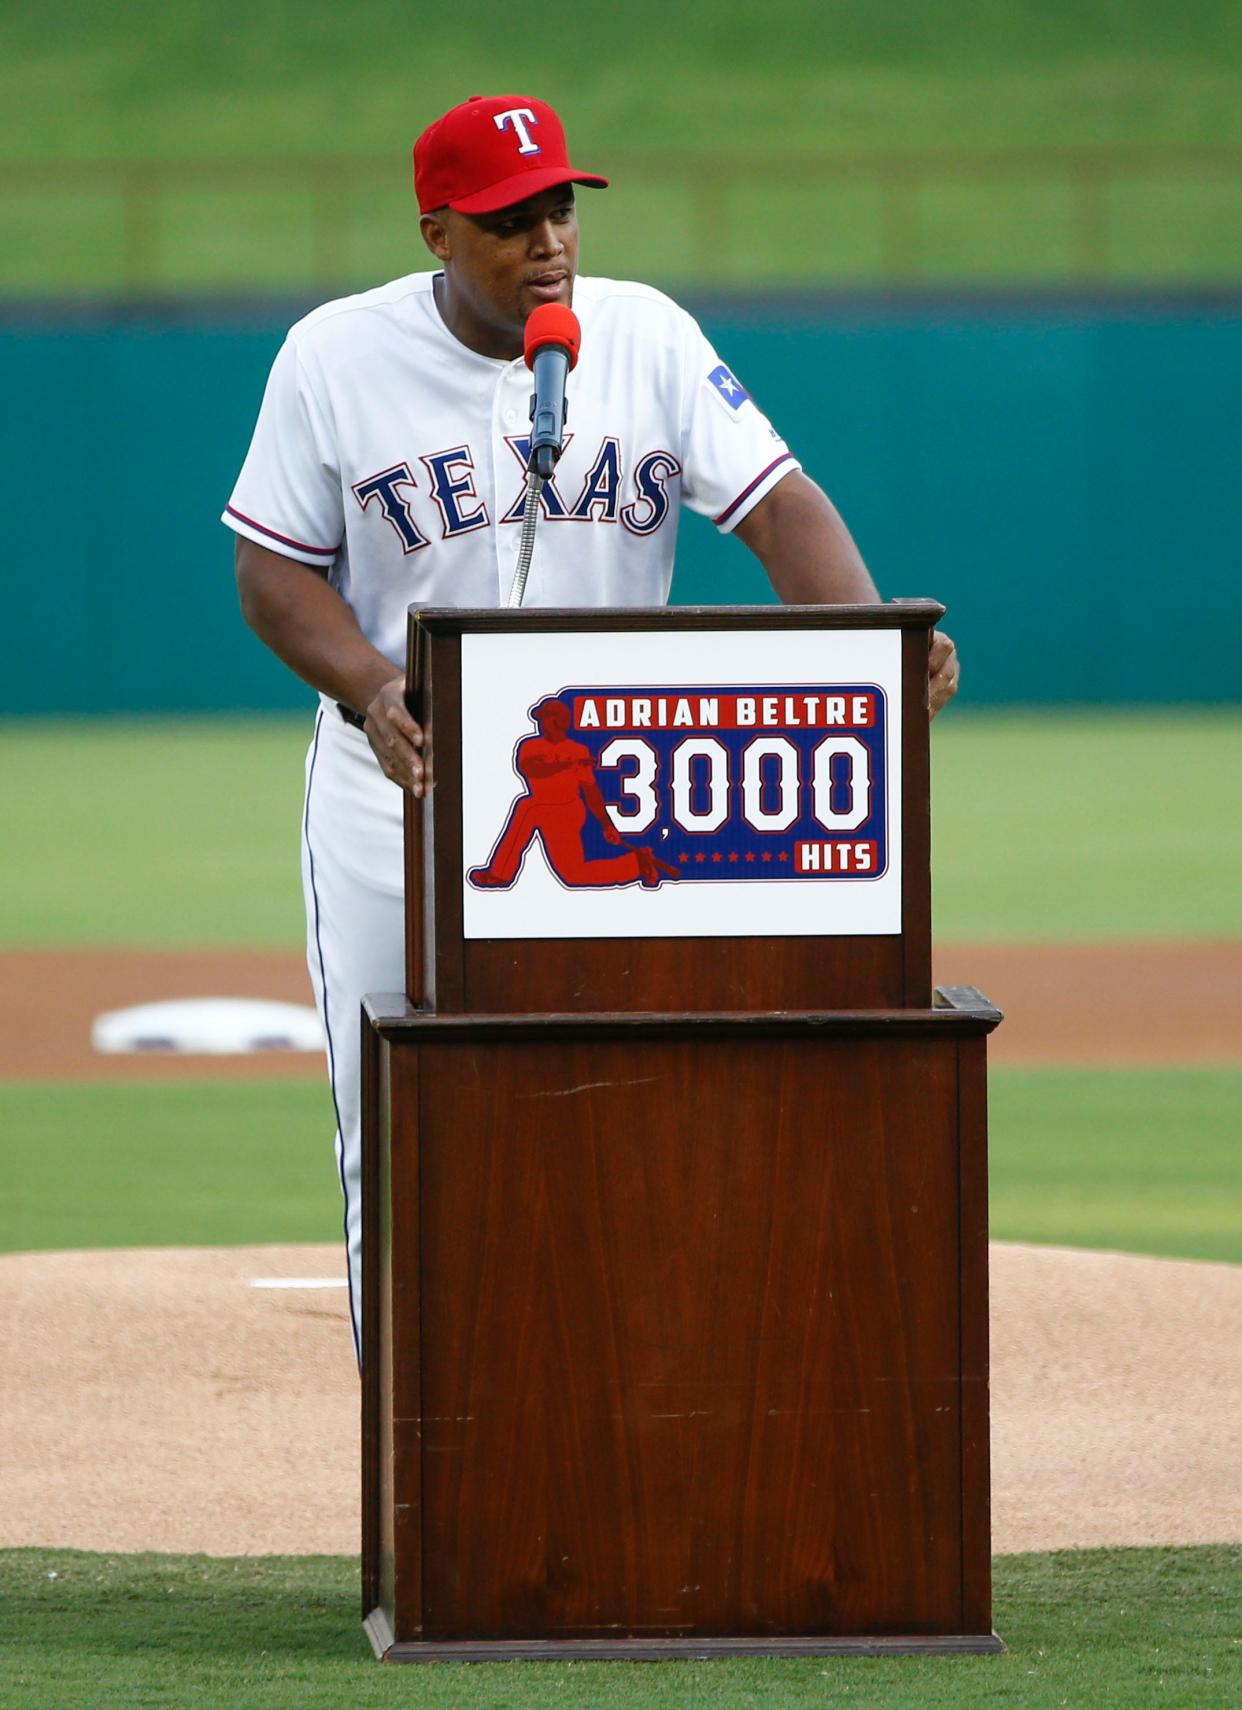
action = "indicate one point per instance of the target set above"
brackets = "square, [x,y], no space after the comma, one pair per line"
[552,323]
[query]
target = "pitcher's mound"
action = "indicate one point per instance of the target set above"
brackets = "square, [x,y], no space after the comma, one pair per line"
[157,1400]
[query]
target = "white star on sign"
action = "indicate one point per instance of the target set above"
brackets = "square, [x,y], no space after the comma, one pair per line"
[728,384]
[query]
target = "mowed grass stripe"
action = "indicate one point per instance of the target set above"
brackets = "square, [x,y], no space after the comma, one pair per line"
[152,831]
[153,1164]
[1109,1629]
[1086,825]
[1047,826]
[1143,1162]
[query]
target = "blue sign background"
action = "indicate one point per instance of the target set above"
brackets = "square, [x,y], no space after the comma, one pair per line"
[737,851]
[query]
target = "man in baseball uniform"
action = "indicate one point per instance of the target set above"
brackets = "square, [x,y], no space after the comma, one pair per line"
[388,467]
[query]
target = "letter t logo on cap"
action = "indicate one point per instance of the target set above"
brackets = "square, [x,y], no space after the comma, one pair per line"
[491,152]
[517,119]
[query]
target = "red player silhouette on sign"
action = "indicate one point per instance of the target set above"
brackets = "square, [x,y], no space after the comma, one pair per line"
[559,775]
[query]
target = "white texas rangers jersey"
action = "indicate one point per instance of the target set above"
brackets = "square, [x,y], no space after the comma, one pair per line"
[393,457]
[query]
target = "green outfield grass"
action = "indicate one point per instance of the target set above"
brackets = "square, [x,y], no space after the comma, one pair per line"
[219,78]
[152,832]
[1087,825]
[1145,1162]
[1095,1629]
[1048,826]
[167,1164]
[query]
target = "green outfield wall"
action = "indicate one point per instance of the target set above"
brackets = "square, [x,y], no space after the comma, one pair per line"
[1063,472]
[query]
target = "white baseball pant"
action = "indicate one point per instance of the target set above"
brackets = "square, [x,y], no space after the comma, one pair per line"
[353,883]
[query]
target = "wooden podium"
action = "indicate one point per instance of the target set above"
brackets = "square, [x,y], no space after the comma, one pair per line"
[675,1332]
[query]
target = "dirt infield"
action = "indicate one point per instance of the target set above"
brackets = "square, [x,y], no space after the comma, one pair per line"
[1107,1005]
[157,1400]
[49,998]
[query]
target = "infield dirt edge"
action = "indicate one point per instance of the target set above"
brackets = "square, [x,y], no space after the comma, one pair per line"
[1098,1005]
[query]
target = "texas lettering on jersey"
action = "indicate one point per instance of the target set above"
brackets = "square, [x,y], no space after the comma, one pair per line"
[380,436]
[640,502]
[706,785]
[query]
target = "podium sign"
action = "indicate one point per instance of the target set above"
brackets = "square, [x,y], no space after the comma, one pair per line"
[758,771]
[697,811]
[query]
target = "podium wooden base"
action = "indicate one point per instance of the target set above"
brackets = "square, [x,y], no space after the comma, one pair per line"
[683,1351]
[387,1649]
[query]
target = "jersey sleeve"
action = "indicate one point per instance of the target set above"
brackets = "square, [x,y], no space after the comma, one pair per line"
[731,454]
[288,495]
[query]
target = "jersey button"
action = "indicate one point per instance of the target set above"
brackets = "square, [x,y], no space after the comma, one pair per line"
[510,417]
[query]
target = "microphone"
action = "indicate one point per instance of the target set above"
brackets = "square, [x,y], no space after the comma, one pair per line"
[552,339]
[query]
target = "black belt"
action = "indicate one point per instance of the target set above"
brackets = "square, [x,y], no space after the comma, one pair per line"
[350,716]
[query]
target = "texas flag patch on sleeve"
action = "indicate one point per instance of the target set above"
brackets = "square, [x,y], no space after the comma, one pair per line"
[729,387]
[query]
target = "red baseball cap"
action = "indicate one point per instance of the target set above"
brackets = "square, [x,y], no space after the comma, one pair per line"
[492,151]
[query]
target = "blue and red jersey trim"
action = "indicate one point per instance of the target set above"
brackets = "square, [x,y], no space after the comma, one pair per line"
[785,457]
[284,539]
